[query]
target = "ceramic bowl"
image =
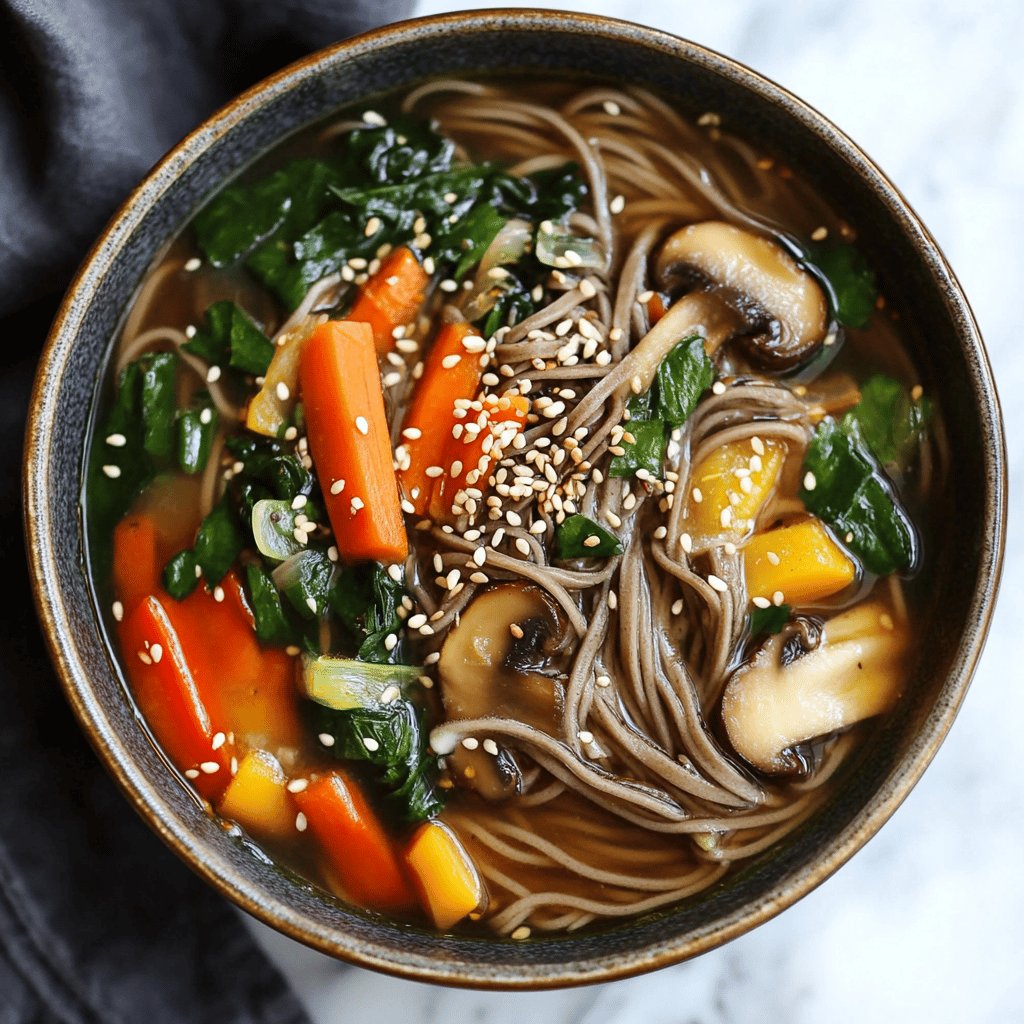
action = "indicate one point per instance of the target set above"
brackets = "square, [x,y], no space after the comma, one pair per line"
[945,345]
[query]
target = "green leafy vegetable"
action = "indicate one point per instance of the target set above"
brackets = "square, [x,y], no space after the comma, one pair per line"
[272,623]
[683,376]
[889,420]
[342,683]
[770,620]
[572,534]
[391,738]
[646,451]
[218,542]
[850,494]
[195,428]
[180,577]
[852,282]
[231,338]
[273,529]
[305,579]
[158,376]
[366,600]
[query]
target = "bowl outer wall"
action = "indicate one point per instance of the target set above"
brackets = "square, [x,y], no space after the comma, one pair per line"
[945,345]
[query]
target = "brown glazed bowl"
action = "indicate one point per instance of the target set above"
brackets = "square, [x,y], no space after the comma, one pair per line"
[968,527]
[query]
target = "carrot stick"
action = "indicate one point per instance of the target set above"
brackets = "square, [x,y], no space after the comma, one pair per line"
[392,297]
[354,842]
[468,459]
[137,564]
[451,374]
[350,443]
[166,692]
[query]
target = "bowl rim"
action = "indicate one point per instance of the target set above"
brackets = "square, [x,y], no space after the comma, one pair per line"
[44,553]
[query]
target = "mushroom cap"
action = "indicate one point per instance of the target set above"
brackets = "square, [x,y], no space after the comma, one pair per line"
[763,281]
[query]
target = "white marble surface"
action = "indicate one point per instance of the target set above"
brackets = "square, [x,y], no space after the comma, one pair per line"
[926,923]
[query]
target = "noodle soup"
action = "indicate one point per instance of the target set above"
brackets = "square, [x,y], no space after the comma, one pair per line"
[504,496]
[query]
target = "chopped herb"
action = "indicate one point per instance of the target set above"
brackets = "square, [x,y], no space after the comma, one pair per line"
[683,376]
[646,452]
[890,422]
[769,621]
[851,283]
[851,494]
[572,534]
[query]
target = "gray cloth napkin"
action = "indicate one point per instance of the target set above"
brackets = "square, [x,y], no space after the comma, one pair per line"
[99,922]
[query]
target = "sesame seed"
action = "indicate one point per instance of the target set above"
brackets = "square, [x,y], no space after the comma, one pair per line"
[522,545]
[471,743]
[448,285]
[144,658]
[603,681]
[490,746]
[717,583]
[677,606]
[434,471]
[193,264]
[718,388]
[819,234]
[372,227]
[761,602]
[725,517]
[326,739]
[372,117]
[209,767]
[613,600]
[773,558]
[697,495]
[356,505]
[156,652]
[191,773]
[370,743]
[301,824]
[362,426]
[213,375]
[117,440]
[218,594]
[916,392]
[885,621]
[516,630]
[395,572]
[810,481]
[451,361]
[587,289]
[118,609]
[112,471]
[757,444]
[592,541]
[661,533]
[282,391]
[297,785]
[206,417]
[617,205]
[778,598]
[644,297]
[390,641]
[522,932]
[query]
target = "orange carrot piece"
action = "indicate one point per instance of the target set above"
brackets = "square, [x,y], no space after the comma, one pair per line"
[392,297]
[350,442]
[257,797]
[656,308]
[445,877]
[166,693]
[137,565]
[468,459]
[355,843]
[451,374]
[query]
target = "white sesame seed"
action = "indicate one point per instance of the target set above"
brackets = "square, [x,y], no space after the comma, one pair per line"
[372,117]
[617,205]
[725,517]
[603,681]
[471,743]
[448,285]
[191,773]
[586,736]
[356,505]
[156,652]
[362,425]
[778,598]
[193,264]
[326,739]
[757,444]
[434,471]
[613,600]
[451,361]
[773,558]
[587,289]
[677,606]
[819,234]
[370,743]
[761,602]
[311,604]
[213,375]
[144,658]
[697,495]
[661,533]
[337,487]
[810,481]
[301,823]
[522,932]
[390,641]
[516,630]
[522,545]
[209,767]
[716,583]
[112,471]
[218,594]
[117,440]
[592,541]
[490,746]
[297,785]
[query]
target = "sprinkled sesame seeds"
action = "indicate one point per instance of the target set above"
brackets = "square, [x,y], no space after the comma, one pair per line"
[603,681]
[193,264]
[362,425]
[810,481]
[213,375]
[471,743]
[448,285]
[391,641]
[112,471]
[613,600]
[491,747]
[773,557]
[218,594]
[677,606]
[758,445]
[372,117]
[522,932]
[761,602]
[819,234]
[282,391]
[191,773]
[356,504]
[451,361]
[587,288]
[718,388]
[717,583]
[297,785]
[516,630]
[586,736]
[370,743]
[778,598]
[617,205]
[209,767]
[885,621]
[697,495]
[301,824]
[326,739]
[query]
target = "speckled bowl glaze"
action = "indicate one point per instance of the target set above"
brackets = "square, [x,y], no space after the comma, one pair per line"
[945,345]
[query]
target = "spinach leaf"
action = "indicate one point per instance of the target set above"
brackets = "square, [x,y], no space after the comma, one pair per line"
[305,580]
[270,463]
[851,280]
[402,150]
[850,493]
[180,577]
[889,420]
[769,621]
[272,624]
[196,426]
[391,738]
[366,600]
[557,192]
[218,542]
[683,376]
[158,378]
[467,241]
[646,451]
[571,536]
[231,338]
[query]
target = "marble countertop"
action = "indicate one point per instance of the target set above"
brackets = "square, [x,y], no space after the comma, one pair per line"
[926,923]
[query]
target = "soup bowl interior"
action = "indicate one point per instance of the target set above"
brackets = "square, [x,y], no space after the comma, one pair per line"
[944,346]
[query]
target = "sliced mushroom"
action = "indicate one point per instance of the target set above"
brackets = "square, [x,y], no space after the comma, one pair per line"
[782,304]
[493,665]
[787,694]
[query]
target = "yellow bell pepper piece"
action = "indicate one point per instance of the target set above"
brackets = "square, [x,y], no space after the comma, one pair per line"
[443,874]
[257,798]
[271,407]
[733,484]
[802,562]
